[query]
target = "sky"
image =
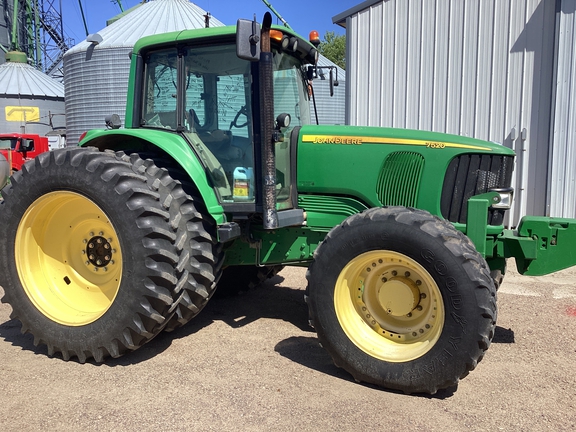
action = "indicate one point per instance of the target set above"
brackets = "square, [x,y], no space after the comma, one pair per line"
[302,15]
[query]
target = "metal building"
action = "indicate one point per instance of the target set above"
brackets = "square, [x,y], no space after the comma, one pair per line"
[31,101]
[96,70]
[495,70]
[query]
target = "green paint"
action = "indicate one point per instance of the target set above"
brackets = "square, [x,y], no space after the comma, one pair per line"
[543,245]
[170,143]
[324,212]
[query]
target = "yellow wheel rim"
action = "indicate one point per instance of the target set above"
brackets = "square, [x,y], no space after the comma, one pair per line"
[389,306]
[68,258]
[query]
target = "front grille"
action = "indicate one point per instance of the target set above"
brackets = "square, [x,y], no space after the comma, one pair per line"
[470,175]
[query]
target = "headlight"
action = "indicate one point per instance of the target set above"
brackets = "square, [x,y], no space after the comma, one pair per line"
[506,195]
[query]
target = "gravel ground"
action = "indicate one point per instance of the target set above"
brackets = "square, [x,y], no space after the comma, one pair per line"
[251,363]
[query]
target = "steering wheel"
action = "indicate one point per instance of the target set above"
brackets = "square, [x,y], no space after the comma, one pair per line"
[234,123]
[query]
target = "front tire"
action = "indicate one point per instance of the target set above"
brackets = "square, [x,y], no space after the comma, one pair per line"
[401,299]
[88,257]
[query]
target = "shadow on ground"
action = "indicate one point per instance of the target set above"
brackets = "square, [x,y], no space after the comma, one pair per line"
[267,301]
[307,352]
[502,335]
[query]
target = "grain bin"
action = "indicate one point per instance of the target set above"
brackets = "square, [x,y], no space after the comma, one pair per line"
[30,100]
[96,70]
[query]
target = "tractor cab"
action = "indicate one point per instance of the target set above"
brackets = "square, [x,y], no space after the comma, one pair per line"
[214,99]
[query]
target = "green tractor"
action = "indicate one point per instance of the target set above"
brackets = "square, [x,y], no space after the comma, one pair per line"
[219,179]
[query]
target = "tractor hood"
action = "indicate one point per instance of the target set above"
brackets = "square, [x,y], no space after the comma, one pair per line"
[412,139]
[385,166]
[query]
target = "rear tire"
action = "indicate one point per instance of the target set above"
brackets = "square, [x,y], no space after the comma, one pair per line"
[200,253]
[88,257]
[401,299]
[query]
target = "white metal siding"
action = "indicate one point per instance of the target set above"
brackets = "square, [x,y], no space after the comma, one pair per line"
[475,68]
[563,153]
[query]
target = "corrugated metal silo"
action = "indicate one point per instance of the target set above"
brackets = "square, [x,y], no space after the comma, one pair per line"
[30,99]
[96,75]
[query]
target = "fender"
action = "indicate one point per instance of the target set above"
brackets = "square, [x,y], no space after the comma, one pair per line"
[170,143]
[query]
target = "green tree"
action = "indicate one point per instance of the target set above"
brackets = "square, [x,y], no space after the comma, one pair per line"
[333,47]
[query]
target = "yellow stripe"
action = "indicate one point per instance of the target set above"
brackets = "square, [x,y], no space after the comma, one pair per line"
[358,140]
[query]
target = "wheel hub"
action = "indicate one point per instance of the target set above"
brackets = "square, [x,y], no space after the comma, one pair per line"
[398,302]
[399,297]
[99,251]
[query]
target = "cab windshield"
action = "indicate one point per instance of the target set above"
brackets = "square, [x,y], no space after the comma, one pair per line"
[206,94]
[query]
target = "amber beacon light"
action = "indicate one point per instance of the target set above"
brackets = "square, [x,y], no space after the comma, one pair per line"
[314,38]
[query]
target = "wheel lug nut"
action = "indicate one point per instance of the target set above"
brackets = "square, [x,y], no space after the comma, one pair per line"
[418,282]
[100,233]
[407,274]
[423,295]
[99,241]
[87,263]
[384,279]
[84,241]
[91,234]
[95,269]
[394,272]
[380,261]
[364,308]
[419,308]
[409,314]
[106,246]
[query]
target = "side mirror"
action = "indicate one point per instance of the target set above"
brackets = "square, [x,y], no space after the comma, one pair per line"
[25,145]
[333,82]
[311,73]
[248,40]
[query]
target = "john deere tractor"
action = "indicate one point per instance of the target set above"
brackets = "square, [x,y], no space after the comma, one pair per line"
[218,171]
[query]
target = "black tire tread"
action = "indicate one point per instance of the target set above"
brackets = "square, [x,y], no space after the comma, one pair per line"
[460,246]
[200,254]
[151,220]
